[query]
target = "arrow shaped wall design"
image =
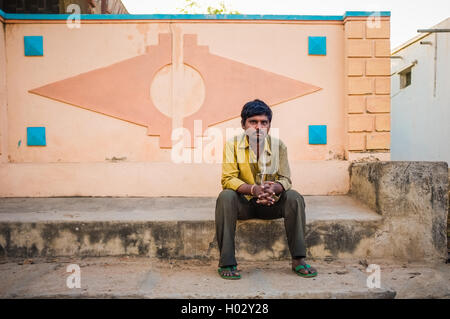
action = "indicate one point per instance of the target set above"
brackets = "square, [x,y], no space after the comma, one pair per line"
[122,90]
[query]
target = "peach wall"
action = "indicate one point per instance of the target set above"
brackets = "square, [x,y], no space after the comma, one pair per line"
[74,134]
[83,145]
[78,135]
[3,101]
[283,49]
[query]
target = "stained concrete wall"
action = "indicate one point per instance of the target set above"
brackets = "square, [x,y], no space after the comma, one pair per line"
[412,197]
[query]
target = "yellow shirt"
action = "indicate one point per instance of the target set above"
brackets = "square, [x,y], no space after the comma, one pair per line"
[240,165]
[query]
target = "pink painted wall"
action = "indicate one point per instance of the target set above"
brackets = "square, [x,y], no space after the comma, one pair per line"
[3,114]
[78,135]
[82,142]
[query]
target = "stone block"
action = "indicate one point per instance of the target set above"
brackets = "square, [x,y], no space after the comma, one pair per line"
[378,141]
[356,104]
[359,48]
[356,141]
[355,29]
[360,86]
[377,29]
[379,104]
[383,122]
[383,85]
[360,123]
[355,67]
[382,48]
[378,66]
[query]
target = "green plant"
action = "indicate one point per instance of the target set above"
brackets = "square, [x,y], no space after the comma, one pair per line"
[192,7]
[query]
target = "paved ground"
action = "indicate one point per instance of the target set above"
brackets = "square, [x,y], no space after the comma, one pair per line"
[140,277]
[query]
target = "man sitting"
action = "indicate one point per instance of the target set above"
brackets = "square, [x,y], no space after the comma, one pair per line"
[256,184]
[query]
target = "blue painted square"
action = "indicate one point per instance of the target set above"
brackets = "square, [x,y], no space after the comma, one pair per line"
[33,45]
[36,136]
[317,45]
[317,134]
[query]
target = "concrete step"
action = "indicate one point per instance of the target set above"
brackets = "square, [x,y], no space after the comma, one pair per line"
[173,227]
[142,277]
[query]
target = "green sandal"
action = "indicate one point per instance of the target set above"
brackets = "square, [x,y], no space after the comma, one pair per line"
[232,270]
[296,270]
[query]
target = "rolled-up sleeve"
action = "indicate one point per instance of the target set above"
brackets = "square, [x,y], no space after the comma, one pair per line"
[284,172]
[230,169]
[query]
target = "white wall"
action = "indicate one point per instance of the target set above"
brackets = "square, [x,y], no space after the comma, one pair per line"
[420,115]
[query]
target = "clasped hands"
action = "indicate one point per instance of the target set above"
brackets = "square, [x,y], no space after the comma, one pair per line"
[265,193]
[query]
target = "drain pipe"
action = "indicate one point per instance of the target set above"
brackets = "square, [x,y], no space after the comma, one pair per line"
[432,30]
[435,31]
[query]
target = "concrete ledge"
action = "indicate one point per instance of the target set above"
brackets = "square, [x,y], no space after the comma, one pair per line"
[412,197]
[180,228]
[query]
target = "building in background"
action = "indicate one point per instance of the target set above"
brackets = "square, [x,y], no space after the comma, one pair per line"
[420,97]
[59,6]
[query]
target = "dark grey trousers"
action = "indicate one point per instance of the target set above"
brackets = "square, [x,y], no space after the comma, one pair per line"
[231,206]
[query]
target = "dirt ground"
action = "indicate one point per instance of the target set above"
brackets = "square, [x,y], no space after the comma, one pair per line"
[140,277]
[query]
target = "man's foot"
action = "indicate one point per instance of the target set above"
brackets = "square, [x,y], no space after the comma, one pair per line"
[230,272]
[301,268]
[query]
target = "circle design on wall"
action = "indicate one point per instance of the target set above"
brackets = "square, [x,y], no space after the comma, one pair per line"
[179,91]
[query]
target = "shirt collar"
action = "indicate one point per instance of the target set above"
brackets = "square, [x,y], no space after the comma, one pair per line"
[243,143]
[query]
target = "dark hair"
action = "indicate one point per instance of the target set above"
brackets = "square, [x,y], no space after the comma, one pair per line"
[256,107]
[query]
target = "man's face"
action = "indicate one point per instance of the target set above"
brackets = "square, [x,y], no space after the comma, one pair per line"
[257,127]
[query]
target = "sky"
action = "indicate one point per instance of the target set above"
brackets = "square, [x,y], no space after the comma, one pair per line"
[407,16]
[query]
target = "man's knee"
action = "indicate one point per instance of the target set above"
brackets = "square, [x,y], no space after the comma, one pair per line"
[226,204]
[227,195]
[227,199]
[295,200]
[294,205]
[292,197]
